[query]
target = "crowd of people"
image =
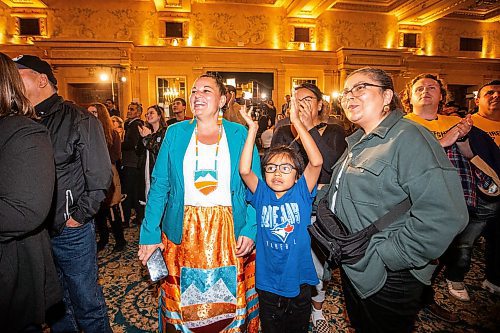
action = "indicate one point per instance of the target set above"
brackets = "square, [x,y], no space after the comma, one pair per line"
[228,197]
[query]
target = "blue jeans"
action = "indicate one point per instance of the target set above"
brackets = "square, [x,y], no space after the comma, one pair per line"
[76,262]
[280,314]
[457,258]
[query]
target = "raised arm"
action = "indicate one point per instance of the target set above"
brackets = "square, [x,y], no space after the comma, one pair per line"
[313,168]
[248,176]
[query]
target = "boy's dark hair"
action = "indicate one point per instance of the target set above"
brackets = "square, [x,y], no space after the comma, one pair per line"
[297,160]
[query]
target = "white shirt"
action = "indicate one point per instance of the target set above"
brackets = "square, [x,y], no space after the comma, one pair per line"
[206,160]
[266,138]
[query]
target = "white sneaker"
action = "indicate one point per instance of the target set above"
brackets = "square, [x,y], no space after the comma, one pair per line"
[492,288]
[458,290]
[319,322]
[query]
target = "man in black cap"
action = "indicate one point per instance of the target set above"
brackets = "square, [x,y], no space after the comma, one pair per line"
[83,174]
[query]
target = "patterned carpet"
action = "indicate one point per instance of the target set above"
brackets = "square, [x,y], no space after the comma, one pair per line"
[132,299]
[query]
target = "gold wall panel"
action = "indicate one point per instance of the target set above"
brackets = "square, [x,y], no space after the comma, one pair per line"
[241,37]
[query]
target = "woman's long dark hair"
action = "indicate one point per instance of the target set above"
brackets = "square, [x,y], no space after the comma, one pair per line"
[161,113]
[105,119]
[12,98]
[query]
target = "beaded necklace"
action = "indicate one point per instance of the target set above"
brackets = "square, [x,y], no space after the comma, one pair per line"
[206,180]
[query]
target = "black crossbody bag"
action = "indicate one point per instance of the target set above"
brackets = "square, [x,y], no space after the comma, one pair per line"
[335,242]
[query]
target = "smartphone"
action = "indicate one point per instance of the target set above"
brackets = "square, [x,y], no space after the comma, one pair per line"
[156,266]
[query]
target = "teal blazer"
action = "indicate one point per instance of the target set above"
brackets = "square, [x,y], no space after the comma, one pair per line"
[165,204]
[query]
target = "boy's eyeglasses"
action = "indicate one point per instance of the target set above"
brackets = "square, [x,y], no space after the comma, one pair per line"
[285,168]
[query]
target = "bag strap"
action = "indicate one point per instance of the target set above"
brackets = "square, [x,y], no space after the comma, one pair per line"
[393,214]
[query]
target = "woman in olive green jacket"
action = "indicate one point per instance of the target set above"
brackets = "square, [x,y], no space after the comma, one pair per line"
[389,159]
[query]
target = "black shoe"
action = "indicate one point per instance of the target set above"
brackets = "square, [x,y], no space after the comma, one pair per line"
[101,246]
[439,312]
[119,247]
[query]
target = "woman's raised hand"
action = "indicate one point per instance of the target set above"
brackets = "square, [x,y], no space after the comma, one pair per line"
[248,117]
[294,110]
[144,131]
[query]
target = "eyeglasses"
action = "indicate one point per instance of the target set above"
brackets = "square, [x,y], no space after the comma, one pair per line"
[307,99]
[285,168]
[357,90]
[132,109]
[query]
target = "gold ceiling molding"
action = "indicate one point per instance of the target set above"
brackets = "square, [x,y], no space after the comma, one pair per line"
[425,12]
[173,5]
[486,11]
[247,2]
[24,3]
[378,6]
[309,8]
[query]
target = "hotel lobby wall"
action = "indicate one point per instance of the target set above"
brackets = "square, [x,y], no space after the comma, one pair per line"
[129,35]
[328,68]
[191,62]
[243,26]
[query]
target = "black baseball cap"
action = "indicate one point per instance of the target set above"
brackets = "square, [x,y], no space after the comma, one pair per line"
[27,61]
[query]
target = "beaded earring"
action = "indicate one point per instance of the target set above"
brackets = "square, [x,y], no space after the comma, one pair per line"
[219,118]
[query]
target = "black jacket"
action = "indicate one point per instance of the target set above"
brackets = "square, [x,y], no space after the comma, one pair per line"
[130,157]
[152,143]
[83,168]
[484,146]
[28,277]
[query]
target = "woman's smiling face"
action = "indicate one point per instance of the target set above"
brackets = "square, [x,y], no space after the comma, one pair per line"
[205,99]
[363,100]
[152,116]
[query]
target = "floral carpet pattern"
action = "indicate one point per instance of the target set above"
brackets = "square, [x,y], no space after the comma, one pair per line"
[132,298]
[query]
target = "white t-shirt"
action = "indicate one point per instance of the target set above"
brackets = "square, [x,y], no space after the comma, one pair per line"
[206,160]
[266,138]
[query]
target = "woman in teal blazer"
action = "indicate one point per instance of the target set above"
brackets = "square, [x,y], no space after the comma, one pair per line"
[203,223]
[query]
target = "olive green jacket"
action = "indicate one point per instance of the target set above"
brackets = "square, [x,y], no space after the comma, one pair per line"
[398,159]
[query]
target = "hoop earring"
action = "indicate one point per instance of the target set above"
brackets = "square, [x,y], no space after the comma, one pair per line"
[386,109]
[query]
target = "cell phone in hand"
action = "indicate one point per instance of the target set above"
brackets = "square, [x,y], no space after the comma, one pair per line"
[156,266]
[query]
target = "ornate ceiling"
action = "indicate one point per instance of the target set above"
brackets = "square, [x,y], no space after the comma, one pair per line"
[413,12]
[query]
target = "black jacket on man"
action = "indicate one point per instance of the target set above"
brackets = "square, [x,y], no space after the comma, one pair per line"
[130,157]
[83,168]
